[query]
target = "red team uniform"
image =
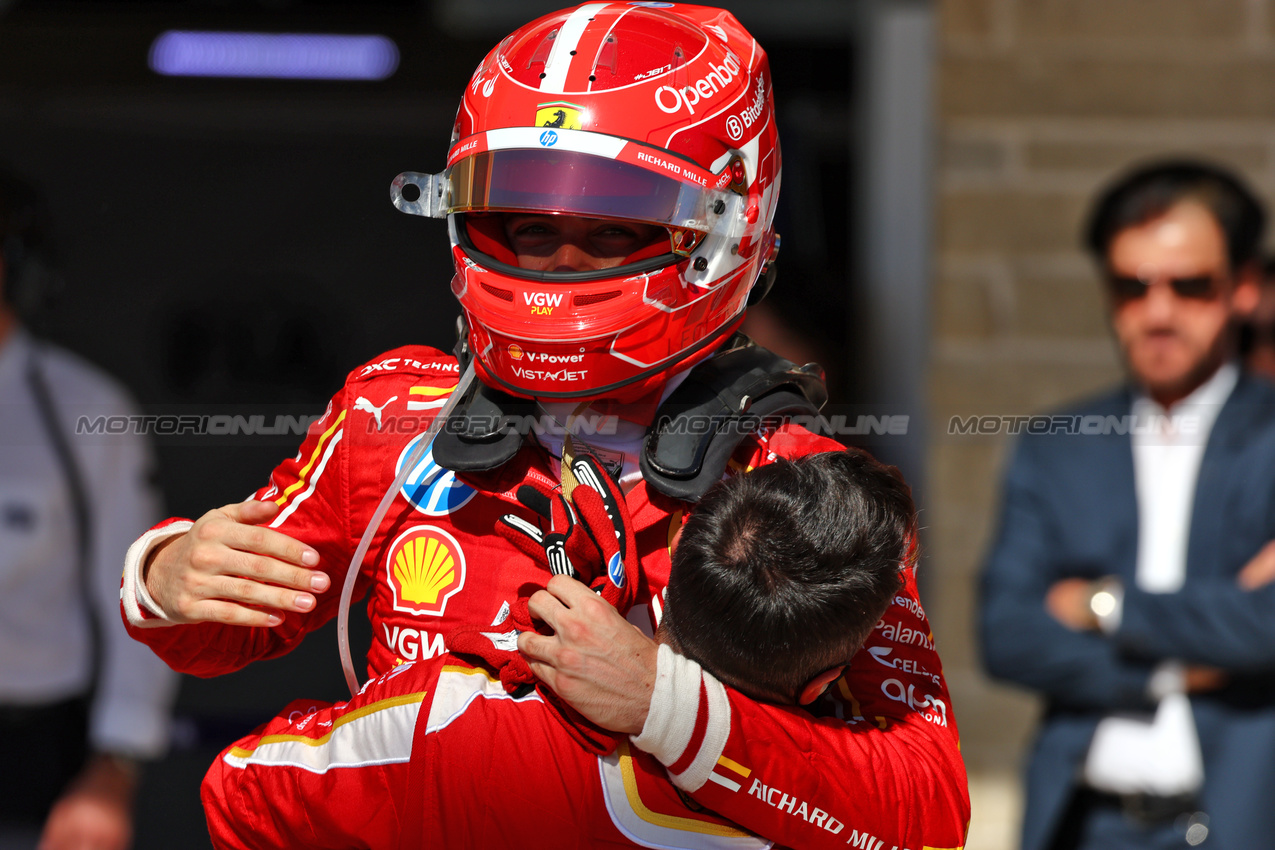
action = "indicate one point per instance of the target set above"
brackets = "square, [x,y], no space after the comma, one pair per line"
[655,113]
[885,731]
[437,754]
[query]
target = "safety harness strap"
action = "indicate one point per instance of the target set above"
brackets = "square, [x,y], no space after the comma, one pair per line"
[484,431]
[696,429]
[722,401]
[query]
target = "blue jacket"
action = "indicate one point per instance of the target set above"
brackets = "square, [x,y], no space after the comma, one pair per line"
[1069,509]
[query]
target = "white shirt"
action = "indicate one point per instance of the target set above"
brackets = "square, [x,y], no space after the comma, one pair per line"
[1161,754]
[44,639]
[616,442]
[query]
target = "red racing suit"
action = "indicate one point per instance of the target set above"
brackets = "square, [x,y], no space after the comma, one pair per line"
[433,567]
[437,754]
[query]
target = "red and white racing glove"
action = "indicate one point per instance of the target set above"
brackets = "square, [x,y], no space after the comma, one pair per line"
[589,534]
[590,538]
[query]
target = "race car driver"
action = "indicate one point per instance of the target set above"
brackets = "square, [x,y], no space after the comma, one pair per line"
[609,195]
[438,753]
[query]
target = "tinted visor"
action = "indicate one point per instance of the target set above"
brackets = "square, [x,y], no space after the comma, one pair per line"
[573,183]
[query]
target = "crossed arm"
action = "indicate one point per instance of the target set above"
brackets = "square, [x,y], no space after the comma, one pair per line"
[1039,630]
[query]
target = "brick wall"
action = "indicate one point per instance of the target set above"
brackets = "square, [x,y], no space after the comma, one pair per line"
[1039,102]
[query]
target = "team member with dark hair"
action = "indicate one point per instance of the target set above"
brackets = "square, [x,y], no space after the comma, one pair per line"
[778,577]
[79,703]
[770,554]
[1128,582]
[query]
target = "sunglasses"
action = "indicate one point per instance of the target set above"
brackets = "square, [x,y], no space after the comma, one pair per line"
[1196,287]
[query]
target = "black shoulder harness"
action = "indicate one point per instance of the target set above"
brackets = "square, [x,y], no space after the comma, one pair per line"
[483,433]
[696,430]
[722,401]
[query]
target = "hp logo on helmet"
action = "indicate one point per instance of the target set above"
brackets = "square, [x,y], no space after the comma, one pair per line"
[548,138]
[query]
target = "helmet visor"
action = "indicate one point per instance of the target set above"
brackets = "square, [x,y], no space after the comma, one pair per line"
[565,182]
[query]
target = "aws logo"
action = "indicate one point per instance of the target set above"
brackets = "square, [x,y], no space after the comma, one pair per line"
[425,568]
[431,489]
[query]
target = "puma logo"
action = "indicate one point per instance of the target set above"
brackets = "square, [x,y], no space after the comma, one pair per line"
[361,403]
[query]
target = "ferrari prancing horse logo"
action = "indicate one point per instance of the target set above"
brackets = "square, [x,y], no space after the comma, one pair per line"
[558,115]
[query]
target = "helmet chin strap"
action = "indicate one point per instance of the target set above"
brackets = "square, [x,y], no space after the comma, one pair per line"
[569,451]
[351,574]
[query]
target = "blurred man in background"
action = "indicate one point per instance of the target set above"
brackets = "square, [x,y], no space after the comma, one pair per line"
[80,703]
[1118,585]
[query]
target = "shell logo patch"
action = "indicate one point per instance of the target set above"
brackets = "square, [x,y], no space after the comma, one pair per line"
[425,568]
[431,489]
[515,351]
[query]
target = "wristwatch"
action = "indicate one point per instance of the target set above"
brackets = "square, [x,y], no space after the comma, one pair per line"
[1106,596]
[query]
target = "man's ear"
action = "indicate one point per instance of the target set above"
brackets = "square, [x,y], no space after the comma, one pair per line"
[811,690]
[1248,290]
[675,539]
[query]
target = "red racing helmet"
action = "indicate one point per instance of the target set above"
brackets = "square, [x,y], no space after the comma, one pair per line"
[650,112]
